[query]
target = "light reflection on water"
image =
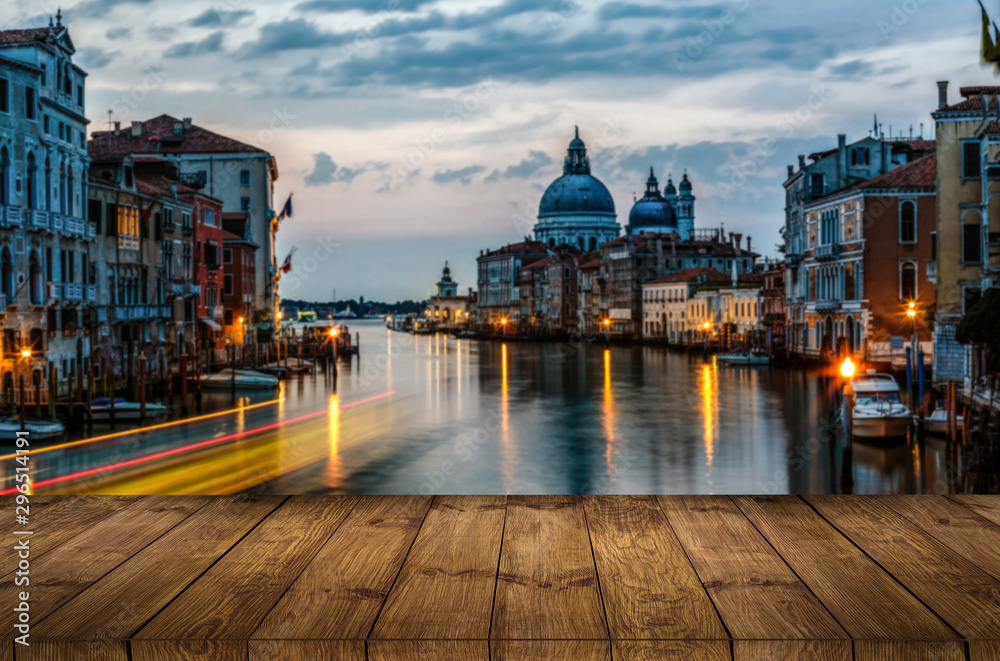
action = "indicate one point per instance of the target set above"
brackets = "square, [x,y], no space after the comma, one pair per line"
[492,417]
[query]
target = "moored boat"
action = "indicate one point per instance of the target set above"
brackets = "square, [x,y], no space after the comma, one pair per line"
[124,411]
[877,410]
[36,428]
[937,422]
[244,380]
[744,358]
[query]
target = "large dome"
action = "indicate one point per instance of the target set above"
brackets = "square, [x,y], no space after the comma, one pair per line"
[576,194]
[653,212]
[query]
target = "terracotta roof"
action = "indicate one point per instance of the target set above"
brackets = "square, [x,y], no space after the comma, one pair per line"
[591,264]
[973,99]
[26,36]
[524,247]
[749,278]
[158,138]
[920,173]
[158,184]
[700,274]
[920,145]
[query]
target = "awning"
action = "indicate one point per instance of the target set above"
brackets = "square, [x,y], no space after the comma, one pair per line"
[210,323]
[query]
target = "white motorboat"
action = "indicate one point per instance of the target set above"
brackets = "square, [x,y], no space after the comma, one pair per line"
[125,411]
[36,428]
[937,422]
[878,411]
[744,358]
[244,380]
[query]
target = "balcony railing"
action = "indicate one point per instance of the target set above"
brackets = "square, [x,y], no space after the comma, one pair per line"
[91,293]
[827,253]
[57,222]
[91,232]
[11,216]
[793,259]
[38,219]
[55,291]
[72,291]
[827,306]
[993,264]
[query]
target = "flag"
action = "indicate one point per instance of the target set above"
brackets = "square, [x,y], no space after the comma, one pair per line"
[287,265]
[286,211]
[876,125]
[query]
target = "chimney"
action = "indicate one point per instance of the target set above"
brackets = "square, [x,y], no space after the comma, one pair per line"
[748,245]
[118,128]
[187,123]
[942,93]
[739,242]
[791,171]
[136,129]
[802,161]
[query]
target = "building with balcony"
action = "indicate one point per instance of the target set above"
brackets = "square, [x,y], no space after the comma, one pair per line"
[498,287]
[665,303]
[239,265]
[46,243]
[864,250]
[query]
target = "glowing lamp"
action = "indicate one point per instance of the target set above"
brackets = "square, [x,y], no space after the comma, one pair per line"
[707,325]
[25,352]
[847,368]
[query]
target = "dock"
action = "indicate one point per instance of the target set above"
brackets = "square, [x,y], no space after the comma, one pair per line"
[381,578]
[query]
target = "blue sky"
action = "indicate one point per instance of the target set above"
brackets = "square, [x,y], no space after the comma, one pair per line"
[419,131]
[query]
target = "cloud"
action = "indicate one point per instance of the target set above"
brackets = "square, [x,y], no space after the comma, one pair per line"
[98,8]
[325,171]
[96,58]
[211,18]
[117,33]
[852,69]
[287,35]
[461,175]
[367,6]
[535,161]
[210,44]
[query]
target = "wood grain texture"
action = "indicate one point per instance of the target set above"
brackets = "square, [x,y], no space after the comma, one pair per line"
[188,650]
[232,597]
[650,589]
[985,506]
[307,650]
[68,569]
[550,650]
[547,585]
[907,650]
[800,650]
[871,604]
[73,650]
[130,595]
[959,592]
[445,588]
[656,650]
[69,516]
[756,593]
[340,593]
[984,650]
[971,536]
[428,650]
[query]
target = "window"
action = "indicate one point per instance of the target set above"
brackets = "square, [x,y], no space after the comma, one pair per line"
[79,95]
[860,156]
[128,227]
[227,285]
[970,159]
[817,185]
[908,281]
[4,95]
[186,221]
[210,217]
[972,243]
[45,124]
[227,256]
[908,222]
[244,204]
[168,220]
[244,177]
[128,177]
[29,103]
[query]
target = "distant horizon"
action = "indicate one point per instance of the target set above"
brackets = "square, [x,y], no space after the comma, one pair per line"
[412,132]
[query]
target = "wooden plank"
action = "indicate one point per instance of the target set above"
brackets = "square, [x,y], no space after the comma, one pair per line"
[547,585]
[307,650]
[69,516]
[649,587]
[188,650]
[800,650]
[445,588]
[962,594]
[67,570]
[656,650]
[756,593]
[985,506]
[428,650]
[871,604]
[907,650]
[130,595]
[73,650]
[231,598]
[340,593]
[971,536]
[984,650]
[550,650]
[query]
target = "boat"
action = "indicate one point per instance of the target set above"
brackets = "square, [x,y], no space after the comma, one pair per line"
[100,409]
[937,422]
[877,410]
[744,358]
[244,380]
[467,334]
[36,429]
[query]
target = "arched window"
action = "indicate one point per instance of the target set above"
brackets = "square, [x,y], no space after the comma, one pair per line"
[35,283]
[908,281]
[4,174]
[32,182]
[552,243]
[908,222]
[592,246]
[7,274]
[47,195]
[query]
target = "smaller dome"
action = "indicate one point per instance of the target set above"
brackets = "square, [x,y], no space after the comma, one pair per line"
[670,188]
[685,183]
[652,212]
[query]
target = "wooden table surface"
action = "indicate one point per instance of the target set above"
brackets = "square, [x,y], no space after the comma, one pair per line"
[709,578]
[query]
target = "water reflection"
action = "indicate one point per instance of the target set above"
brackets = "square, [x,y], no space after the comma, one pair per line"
[434,414]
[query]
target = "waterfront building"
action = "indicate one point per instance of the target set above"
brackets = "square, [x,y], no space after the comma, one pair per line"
[772,300]
[446,308]
[665,303]
[498,283]
[46,243]
[827,173]
[967,259]
[577,209]
[866,248]
[239,278]
[740,304]
[549,293]
[588,291]
[238,174]
[655,213]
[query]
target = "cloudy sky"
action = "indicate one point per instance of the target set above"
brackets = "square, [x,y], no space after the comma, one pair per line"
[418,131]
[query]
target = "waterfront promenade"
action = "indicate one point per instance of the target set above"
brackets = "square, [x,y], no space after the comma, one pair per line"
[512,577]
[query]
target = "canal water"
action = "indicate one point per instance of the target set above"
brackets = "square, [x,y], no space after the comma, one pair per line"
[436,414]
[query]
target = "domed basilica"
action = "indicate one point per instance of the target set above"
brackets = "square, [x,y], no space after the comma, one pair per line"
[577,209]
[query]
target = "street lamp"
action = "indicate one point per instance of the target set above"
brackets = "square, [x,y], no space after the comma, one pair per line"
[708,327]
[847,368]
[503,325]
[26,352]
[607,330]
